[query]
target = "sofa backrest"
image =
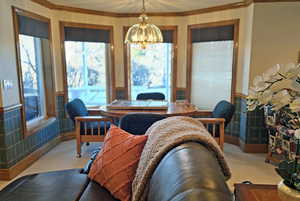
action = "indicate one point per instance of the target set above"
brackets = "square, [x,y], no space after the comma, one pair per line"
[189,172]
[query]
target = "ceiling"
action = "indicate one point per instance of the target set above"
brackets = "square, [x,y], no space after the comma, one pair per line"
[134,6]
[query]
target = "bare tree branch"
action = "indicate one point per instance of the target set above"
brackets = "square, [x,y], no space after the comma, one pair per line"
[33,67]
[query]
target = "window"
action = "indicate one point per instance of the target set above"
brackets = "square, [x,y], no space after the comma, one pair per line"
[151,68]
[212,65]
[87,59]
[34,63]
[32,74]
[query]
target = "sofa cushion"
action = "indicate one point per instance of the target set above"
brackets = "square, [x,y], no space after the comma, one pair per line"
[116,164]
[62,185]
[95,192]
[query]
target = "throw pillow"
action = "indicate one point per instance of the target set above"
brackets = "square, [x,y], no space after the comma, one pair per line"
[115,165]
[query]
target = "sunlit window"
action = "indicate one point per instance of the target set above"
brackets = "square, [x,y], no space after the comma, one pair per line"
[32,74]
[87,71]
[150,69]
[212,50]
[87,60]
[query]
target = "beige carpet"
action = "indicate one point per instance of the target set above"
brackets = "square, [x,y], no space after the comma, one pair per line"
[243,166]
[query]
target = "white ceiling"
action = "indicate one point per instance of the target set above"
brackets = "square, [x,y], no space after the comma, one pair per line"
[134,6]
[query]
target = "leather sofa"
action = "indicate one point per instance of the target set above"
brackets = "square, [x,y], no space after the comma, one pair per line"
[189,172]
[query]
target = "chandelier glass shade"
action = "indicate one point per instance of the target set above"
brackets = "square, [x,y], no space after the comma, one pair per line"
[143,33]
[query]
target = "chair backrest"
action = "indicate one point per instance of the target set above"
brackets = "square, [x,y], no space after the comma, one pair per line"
[76,108]
[138,123]
[225,110]
[151,96]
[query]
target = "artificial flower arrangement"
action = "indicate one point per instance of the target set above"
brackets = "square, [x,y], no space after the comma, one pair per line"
[279,89]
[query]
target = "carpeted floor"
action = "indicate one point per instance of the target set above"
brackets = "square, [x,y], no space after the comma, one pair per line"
[244,166]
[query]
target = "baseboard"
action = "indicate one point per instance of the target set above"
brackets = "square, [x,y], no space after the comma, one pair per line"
[253,148]
[12,172]
[68,136]
[232,139]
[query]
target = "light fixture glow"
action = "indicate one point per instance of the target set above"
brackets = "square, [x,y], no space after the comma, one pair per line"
[143,33]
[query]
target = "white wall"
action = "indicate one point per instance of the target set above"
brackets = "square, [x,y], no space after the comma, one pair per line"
[276,36]
[8,65]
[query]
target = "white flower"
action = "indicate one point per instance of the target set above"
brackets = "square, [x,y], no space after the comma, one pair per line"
[259,83]
[297,134]
[271,74]
[251,105]
[285,84]
[252,94]
[290,70]
[295,105]
[265,97]
[280,100]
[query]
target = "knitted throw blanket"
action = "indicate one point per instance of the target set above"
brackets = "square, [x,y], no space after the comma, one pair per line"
[163,136]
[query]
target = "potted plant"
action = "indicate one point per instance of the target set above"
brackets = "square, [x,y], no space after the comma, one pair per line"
[279,89]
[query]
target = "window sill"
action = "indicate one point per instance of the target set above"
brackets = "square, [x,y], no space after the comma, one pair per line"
[34,127]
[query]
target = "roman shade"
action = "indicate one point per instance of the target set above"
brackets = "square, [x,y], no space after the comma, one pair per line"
[207,34]
[33,27]
[87,35]
[167,36]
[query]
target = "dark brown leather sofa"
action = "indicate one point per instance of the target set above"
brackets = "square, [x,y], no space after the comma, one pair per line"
[188,172]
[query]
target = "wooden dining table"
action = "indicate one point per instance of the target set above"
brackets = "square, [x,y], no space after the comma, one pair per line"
[171,109]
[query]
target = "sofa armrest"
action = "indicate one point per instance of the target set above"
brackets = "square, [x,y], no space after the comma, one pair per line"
[217,125]
[196,175]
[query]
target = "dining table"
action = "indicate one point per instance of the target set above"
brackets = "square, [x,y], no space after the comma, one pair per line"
[119,108]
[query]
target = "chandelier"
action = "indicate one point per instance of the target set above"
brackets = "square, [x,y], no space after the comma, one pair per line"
[143,33]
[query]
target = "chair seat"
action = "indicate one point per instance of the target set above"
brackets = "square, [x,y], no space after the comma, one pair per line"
[92,128]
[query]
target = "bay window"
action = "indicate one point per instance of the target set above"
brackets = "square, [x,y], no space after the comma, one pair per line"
[151,69]
[35,72]
[212,73]
[87,59]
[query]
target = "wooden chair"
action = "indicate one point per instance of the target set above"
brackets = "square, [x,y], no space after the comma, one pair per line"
[218,120]
[216,127]
[88,128]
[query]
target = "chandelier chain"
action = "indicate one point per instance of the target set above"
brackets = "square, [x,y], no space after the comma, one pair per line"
[144,8]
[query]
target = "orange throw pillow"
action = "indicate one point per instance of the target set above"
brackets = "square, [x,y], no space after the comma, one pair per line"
[115,165]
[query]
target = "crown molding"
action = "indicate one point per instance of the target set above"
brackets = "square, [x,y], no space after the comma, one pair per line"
[243,3]
[53,6]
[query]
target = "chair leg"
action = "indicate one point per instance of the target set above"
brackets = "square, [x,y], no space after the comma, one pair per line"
[78,139]
[78,148]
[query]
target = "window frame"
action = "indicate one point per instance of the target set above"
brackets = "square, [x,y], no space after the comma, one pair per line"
[235,23]
[31,127]
[127,67]
[110,71]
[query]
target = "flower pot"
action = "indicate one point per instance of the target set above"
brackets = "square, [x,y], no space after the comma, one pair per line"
[286,193]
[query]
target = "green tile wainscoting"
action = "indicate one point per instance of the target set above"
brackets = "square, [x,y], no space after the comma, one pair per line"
[14,147]
[247,129]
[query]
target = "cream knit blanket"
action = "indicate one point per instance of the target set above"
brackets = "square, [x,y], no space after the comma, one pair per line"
[162,137]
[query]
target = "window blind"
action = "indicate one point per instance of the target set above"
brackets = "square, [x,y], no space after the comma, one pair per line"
[87,35]
[221,33]
[33,27]
[167,36]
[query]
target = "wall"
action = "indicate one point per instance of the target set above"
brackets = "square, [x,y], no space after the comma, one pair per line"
[276,36]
